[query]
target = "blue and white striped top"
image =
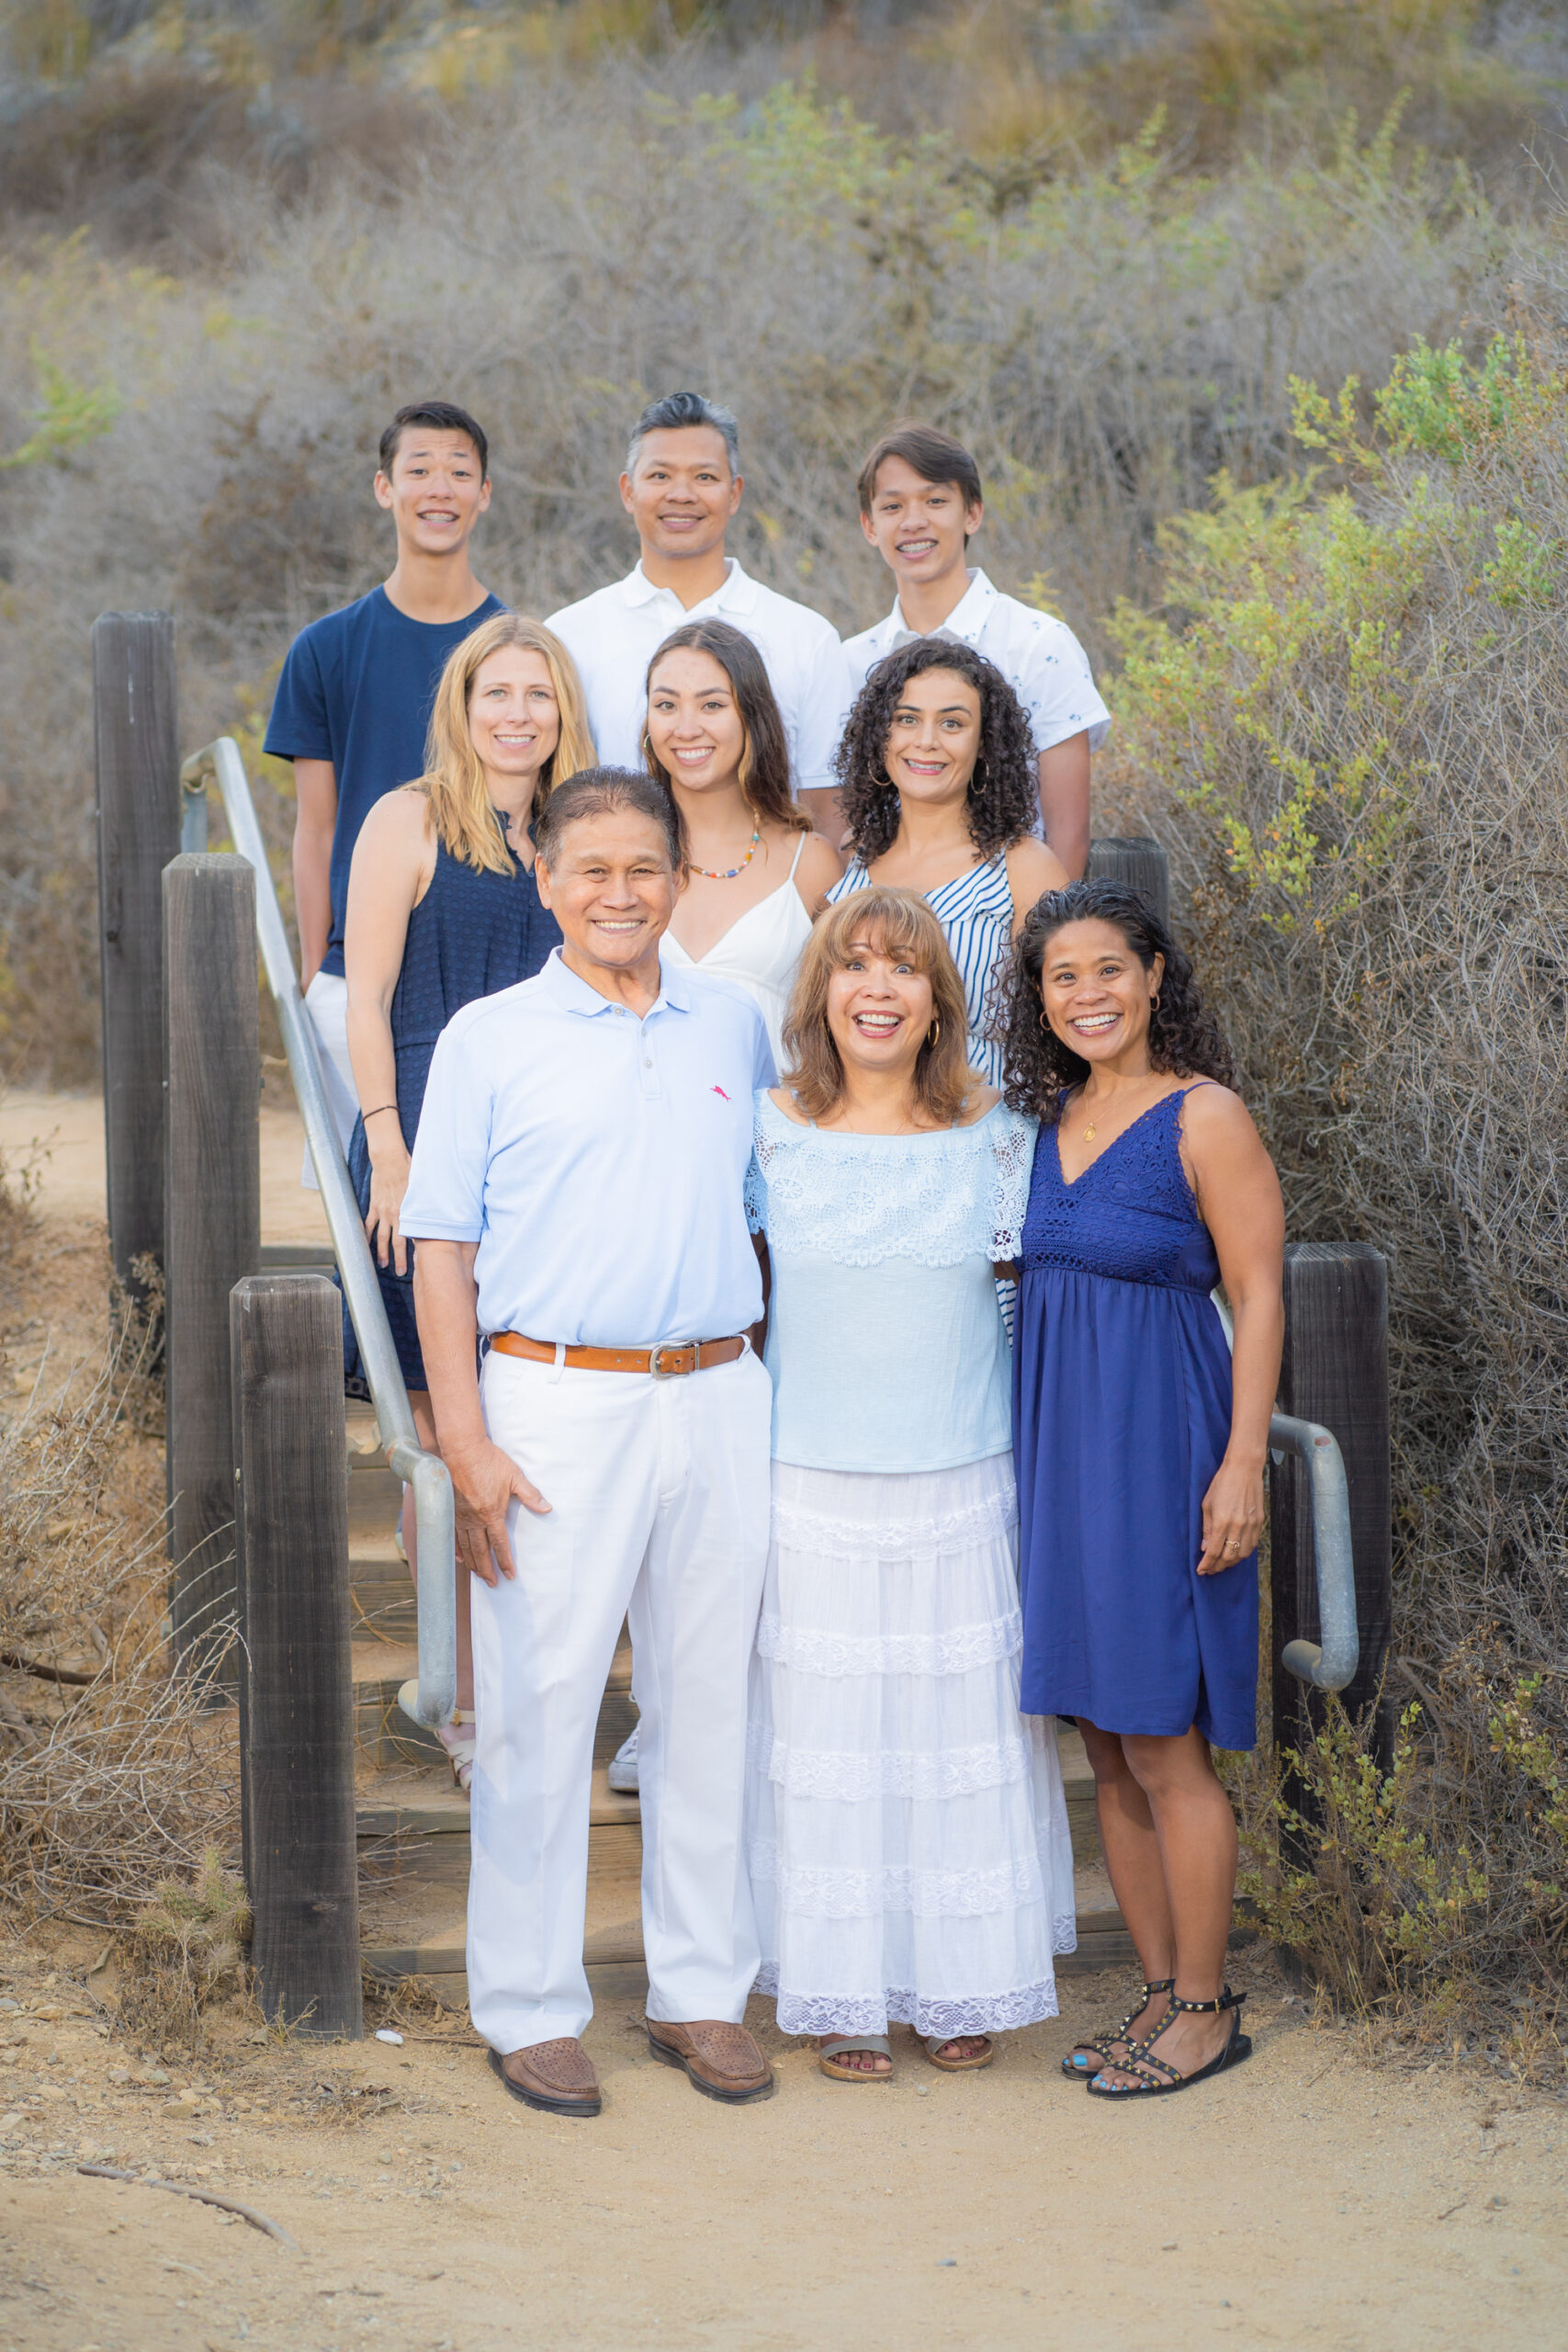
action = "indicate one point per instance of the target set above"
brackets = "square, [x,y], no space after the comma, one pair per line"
[975,912]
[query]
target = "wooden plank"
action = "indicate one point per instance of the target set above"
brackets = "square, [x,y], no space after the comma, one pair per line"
[1336,1371]
[431,1942]
[1137,860]
[136,754]
[297,1758]
[212,1223]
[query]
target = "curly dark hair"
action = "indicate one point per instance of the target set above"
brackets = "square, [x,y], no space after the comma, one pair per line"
[1038,1069]
[1004,791]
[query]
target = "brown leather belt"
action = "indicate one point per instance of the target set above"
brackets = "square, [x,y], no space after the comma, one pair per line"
[666,1363]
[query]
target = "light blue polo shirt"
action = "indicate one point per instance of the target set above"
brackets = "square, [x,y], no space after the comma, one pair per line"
[598,1161]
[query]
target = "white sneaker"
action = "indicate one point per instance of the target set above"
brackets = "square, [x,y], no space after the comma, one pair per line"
[622,1774]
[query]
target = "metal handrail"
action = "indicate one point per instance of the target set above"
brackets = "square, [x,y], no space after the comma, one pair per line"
[426,1473]
[1328,1666]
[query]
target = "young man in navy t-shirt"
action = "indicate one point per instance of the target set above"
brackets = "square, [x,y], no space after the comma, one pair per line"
[353,700]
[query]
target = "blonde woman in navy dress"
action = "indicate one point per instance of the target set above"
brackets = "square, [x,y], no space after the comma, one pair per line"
[906,1827]
[1140,1441]
[940,795]
[443,907]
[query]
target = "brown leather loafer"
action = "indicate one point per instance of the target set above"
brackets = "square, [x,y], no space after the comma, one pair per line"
[557,2077]
[720,2060]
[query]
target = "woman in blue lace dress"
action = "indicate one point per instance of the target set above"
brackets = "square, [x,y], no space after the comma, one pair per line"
[1140,1444]
[940,796]
[907,1833]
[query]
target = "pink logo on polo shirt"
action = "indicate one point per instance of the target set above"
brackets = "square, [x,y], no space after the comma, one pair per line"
[718,1089]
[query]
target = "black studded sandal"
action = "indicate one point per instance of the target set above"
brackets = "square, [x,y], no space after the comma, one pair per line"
[1141,2061]
[1098,2047]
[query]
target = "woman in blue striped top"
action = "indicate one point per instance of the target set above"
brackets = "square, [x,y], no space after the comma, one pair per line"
[939,794]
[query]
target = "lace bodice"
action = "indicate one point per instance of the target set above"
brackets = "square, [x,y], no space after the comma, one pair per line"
[860,1200]
[1131,1215]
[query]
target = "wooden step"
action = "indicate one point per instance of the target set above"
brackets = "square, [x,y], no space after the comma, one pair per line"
[384,1660]
[413,1842]
[422,1820]
[423,1935]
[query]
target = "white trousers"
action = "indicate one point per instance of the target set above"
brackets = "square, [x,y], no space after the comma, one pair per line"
[659,1512]
[326,1002]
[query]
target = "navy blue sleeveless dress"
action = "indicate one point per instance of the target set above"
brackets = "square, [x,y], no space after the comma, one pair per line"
[1121,1412]
[471,933]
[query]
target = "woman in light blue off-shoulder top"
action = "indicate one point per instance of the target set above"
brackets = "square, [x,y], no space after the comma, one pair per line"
[906,1827]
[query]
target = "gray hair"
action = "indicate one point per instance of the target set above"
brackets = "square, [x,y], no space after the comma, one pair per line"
[676,413]
[601,792]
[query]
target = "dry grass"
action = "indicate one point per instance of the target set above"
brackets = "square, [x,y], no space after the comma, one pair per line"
[1107,330]
[112,1779]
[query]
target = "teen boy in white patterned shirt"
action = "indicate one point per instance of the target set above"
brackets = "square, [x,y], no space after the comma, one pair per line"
[920,506]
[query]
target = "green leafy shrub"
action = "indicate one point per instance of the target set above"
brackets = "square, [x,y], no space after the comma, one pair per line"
[1345,723]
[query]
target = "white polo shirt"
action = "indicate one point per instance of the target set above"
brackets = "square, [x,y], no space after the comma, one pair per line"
[598,1159]
[614,635]
[1040,658]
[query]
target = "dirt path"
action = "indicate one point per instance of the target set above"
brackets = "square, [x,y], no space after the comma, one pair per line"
[1303,2199]
[1306,2199]
[60,1138]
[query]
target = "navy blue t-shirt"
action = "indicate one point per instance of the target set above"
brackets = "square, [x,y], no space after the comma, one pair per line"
[357,689]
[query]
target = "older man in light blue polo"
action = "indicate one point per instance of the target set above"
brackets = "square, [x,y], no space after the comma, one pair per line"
[578,1198]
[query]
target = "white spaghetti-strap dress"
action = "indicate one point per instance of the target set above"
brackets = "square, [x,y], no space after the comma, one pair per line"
[760,950]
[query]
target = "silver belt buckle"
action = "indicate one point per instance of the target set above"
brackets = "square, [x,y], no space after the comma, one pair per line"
[669,1347]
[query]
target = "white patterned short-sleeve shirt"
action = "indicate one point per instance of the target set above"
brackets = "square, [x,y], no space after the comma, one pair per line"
[1039,657]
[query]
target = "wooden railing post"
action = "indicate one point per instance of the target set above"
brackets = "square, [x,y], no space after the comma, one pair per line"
[1336,1371]
[1138,860]
[137,755]
[212,1221]
[296,1716]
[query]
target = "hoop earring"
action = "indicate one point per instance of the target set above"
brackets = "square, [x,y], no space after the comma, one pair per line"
[1043,1023]
[1154,1004]
[935,1032]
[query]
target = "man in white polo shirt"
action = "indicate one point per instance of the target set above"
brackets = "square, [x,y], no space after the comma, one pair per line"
[920,506]
[680,487]
[577,1195]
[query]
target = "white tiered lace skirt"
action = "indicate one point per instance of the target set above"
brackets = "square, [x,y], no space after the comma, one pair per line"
[906,1826]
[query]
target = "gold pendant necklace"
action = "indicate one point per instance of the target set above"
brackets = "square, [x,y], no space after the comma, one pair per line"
[1088,1132]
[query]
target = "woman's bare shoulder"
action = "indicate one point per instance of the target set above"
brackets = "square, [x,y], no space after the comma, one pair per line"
[820,866]
[1033,870]
[1216,1123]
[979,1106]
[399,817]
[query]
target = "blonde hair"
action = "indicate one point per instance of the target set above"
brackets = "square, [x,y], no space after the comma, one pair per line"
[898,921]
[454,778]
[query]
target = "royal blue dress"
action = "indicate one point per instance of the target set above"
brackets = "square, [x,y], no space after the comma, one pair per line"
[1121,1412]
[472,933]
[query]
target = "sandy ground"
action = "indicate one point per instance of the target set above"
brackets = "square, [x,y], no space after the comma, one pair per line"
[1306,2199]
[60,1140]
[1303,2199]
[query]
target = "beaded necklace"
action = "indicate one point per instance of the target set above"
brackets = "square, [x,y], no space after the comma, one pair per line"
[730,872]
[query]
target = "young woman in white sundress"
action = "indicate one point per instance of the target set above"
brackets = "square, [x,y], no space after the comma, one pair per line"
[941,796]
[758,874]
[906,1829]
